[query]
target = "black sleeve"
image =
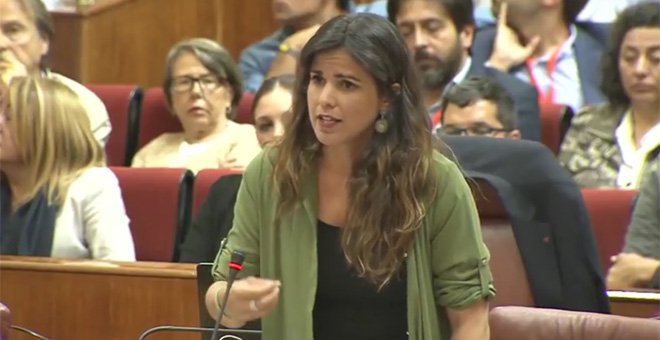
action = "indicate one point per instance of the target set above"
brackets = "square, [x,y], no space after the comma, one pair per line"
[212,222]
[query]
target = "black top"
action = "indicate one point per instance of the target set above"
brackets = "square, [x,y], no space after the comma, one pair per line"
[212,222]
[349,307]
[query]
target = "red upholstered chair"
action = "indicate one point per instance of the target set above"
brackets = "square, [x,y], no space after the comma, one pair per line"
[610,211]
[553,120]
[157,202]
[155,117]
[203,182]
[244,114]
[509,274]
[524,323]
[123,103]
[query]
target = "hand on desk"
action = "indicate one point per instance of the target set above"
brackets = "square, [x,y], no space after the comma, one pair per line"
[252,298]
[631,271]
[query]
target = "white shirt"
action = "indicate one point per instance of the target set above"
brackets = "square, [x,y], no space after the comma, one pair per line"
[604,11]
[633,158]
[237,142]
[96,112]
[92,222]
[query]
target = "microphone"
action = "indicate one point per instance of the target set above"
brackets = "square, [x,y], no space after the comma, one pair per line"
[235,266]
[25,330]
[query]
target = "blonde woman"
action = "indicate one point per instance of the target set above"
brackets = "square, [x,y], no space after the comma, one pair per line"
[202,87]
[57,198]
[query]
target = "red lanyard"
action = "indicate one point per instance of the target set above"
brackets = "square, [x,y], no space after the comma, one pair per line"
[549,97]
[437,117]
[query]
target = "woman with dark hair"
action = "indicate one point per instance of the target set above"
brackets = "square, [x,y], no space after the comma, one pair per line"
[270,109]
[610,144]
[354,225]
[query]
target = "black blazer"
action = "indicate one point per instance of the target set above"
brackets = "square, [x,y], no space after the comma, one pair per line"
[548,216]
[212,222]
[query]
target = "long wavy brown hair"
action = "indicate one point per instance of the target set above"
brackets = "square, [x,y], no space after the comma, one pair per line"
[393,181]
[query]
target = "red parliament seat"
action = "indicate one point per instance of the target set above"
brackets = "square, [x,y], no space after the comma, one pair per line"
[524,323]
[555,119]
[157,203]
[155,117]
[203,182]
[507,267]
[610,211]
[123,103]
[244,114]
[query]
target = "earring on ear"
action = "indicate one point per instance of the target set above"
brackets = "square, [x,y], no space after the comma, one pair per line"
[382,124]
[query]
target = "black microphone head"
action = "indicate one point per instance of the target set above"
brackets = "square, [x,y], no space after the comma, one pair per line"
[237,257]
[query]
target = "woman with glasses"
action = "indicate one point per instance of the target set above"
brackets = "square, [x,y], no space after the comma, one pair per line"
[202,87]
[270,110]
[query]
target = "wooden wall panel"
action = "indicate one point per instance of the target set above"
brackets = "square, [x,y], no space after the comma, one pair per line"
[126,41]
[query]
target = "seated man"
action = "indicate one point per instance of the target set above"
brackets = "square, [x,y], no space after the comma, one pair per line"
[26,30]
[277,54]
[638,266]
[439,35]
[479,106]
[542,46]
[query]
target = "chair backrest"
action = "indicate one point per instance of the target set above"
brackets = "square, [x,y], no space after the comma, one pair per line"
[524,323]
[244,114]
[155,117]
[509,274]
[610,211]
[123,103]
[553,125]
[157,202]
[203,182]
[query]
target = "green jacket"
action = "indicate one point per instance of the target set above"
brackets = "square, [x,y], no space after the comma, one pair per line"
[446,267]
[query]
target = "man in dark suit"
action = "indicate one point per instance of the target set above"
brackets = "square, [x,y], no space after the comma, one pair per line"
[538,43]
[439,35]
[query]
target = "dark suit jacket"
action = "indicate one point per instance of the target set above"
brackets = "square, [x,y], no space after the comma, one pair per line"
[212,222]
[548,216]
[589,48]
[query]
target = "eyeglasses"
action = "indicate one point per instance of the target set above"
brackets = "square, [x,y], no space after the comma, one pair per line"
[207,82]
[477,130]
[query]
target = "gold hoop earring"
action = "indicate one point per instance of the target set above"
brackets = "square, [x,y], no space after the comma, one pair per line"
[382,124]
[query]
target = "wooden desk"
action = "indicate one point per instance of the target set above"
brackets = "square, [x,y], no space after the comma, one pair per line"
[639,303]
[81,300]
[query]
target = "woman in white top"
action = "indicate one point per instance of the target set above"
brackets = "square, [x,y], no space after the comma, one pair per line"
[202,87]
[57,199]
